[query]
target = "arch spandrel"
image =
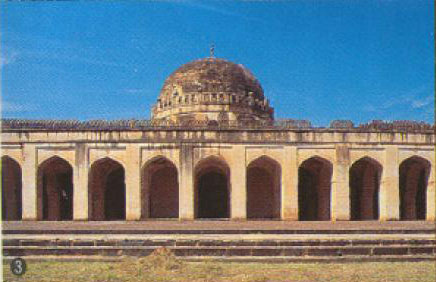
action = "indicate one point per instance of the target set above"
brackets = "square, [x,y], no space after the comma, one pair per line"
[109,159]
[272,154]
[324,158]
[375,162]
[47,161]
[11,157]
[212,161]
[94,158]
[418,158]
[376,156]
[15,154]
[151,159]
[203,157]
[426,155]
[148,157]
[44,156]
[266,162]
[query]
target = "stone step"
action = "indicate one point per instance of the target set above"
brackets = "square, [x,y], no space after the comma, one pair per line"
[312,259]
[241,259]
[336,251]
[216,232]
[193,243]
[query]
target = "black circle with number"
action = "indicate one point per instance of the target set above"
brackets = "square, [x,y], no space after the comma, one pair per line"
[18,266]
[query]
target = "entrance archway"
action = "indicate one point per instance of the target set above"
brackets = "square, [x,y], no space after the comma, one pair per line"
[263,188]
[414,174]
[212,189]
[160,189]
[55,190]
[11,189]
[107,190]
[365,177]
[314,189]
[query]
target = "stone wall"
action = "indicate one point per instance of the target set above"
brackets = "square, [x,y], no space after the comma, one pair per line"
[237,149]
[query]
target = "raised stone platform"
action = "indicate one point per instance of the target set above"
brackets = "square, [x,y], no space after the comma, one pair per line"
[223,240]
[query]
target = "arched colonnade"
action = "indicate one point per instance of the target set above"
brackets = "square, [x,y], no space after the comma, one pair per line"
[212,189]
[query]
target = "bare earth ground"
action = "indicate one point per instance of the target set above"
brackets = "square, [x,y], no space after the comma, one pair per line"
[162,268]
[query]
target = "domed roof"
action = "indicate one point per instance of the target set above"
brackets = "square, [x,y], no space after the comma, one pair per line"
[231,87]
[213,74]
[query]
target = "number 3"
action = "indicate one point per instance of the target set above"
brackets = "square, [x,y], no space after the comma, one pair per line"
[18,266]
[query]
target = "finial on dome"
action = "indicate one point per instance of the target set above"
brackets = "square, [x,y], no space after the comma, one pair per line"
[212,50]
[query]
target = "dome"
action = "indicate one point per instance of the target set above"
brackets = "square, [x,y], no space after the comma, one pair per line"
[212,89]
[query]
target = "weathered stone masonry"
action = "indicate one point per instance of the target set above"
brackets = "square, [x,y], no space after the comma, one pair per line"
[188,173]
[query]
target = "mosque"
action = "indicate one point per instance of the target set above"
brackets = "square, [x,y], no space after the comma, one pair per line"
[214,150]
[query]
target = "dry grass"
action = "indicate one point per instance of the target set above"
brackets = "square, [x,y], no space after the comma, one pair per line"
[162,265]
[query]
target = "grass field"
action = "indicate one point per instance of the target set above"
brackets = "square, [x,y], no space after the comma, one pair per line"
[165,267]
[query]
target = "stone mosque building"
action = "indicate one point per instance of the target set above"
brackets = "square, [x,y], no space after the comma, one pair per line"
[213,149]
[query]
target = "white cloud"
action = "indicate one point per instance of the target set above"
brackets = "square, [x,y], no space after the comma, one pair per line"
[369,108]
[415,98]
[134,90]
[420,103]
[7,59]
[11,107]
[217,9]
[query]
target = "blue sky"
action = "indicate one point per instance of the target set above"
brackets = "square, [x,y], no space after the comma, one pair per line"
[316,60]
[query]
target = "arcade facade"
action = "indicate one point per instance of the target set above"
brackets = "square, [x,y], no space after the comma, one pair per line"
[90,176]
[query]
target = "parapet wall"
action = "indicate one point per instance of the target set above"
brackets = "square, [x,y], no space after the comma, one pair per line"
[279,132]
[281,124]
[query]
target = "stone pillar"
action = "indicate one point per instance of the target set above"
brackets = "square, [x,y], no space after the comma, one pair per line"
[145,192]
[133,182]
[29,195]
[340,202]
[238,180]
[289,187]
[389,195]
[431,196]
[186,180]
[80,183]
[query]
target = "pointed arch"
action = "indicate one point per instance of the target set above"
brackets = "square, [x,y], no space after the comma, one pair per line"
[107,190]
[47,157]
[212,188]
[364,177]
[264,188]
[314,189]
[414,172]
[11,189]
[160,188]
[55,189]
